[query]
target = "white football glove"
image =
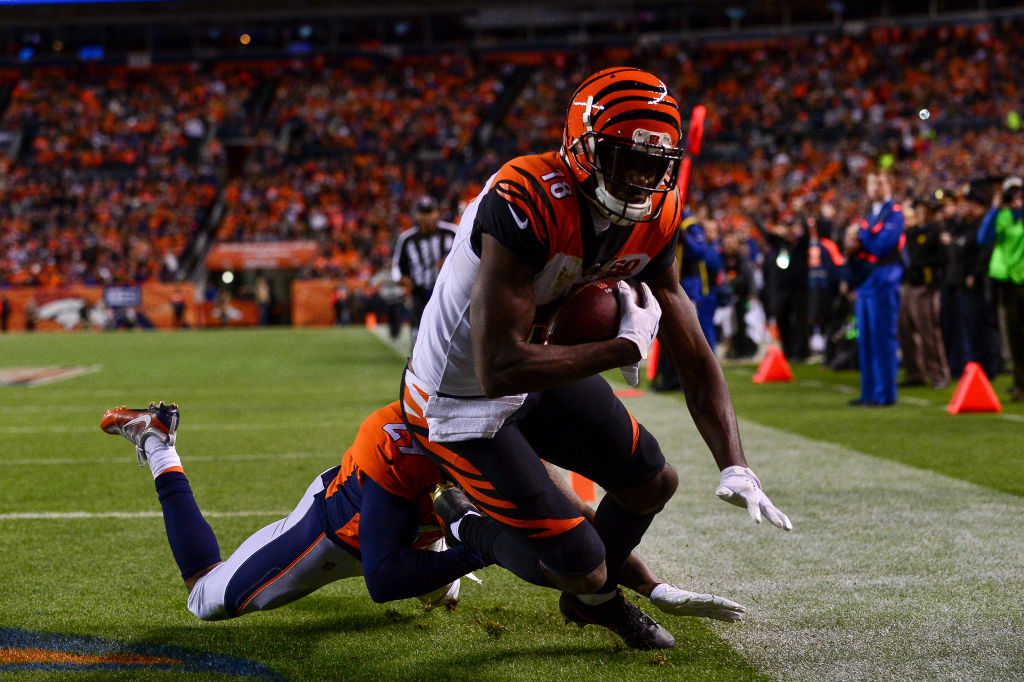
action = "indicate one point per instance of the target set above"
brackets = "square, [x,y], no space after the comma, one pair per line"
[671,599]
[442,596]
[740,486]
[638,323]
[631,373]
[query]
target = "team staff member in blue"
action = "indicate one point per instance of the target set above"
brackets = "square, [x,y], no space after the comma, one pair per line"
[877,246]
[700,263]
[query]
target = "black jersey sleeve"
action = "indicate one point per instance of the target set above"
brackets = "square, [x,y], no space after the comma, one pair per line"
[512,228]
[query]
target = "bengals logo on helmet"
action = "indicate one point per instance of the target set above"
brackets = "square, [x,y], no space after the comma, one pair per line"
[621,141]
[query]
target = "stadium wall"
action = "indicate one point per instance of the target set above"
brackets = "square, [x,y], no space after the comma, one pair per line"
[94,307]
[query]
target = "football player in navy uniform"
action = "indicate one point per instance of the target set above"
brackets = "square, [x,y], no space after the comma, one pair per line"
[488,406]
[370,516]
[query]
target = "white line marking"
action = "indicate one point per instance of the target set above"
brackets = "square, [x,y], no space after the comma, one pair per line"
[83,428]
[61,461]
[68,373]
[28,516]
[919,402]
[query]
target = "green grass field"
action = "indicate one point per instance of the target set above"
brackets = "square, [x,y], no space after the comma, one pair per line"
[906,561]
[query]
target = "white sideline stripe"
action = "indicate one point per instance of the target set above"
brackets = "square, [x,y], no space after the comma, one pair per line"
[919,402]
[191,458]
[22,516]
[891,573]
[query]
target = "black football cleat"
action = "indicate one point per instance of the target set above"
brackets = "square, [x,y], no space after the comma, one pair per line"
[636,628]
[450,505]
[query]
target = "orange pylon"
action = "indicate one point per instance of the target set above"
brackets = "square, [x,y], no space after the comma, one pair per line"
[774,367]
[974,393]
[583,487]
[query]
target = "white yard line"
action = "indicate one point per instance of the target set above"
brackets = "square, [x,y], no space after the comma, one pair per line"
[62,461]
[23,516]
[93,427]
[891,573]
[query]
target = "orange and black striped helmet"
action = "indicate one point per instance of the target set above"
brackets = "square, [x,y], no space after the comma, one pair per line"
[621,141]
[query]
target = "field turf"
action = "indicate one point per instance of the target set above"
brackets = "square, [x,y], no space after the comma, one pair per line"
[906,561]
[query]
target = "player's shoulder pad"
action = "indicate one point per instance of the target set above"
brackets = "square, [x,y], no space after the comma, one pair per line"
[526,184]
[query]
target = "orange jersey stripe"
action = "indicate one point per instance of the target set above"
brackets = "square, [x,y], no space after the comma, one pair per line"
[349,533]
[549,527]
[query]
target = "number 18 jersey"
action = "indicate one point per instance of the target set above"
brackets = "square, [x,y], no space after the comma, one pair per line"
[533,208]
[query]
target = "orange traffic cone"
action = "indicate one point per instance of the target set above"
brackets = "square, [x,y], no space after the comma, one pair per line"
[371,320]
[774,367]
[974,393]
[652,360]
[583,487]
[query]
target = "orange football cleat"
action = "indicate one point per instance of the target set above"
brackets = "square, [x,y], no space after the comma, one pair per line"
[159,421]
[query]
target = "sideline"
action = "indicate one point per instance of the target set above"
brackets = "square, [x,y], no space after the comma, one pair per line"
[891,572]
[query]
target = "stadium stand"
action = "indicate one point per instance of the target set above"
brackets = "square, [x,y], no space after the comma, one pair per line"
[111,173]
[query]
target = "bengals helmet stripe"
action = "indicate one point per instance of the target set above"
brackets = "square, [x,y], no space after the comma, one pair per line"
[622,143]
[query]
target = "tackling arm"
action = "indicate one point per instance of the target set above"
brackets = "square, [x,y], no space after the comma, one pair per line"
[502,311]
[392,569]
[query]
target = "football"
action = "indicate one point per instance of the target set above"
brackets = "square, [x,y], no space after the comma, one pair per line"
[589,313]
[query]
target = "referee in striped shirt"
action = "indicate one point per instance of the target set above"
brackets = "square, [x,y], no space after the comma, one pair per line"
[418,256]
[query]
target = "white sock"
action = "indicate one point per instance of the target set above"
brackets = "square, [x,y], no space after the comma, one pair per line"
[454,528]
[659,590]
[160,456]
[595,599]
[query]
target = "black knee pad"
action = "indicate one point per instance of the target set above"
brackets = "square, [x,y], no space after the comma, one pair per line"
[575,552]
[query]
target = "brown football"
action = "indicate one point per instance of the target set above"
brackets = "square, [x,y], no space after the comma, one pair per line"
[589,313]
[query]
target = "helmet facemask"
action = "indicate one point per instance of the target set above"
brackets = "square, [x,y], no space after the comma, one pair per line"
[628,174]
[621,142]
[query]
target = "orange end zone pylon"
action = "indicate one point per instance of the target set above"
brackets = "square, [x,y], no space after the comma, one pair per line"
[652,360]
[974,393]
[583,487]
[774,367]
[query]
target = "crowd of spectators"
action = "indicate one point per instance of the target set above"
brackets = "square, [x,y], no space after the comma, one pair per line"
[121,164]
[117,169]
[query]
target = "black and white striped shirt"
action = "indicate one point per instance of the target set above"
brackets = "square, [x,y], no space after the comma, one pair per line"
[418,256]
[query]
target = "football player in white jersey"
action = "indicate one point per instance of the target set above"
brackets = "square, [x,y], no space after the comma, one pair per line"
[488,406]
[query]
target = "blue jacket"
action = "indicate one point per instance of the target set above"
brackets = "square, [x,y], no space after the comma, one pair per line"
[881,235]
